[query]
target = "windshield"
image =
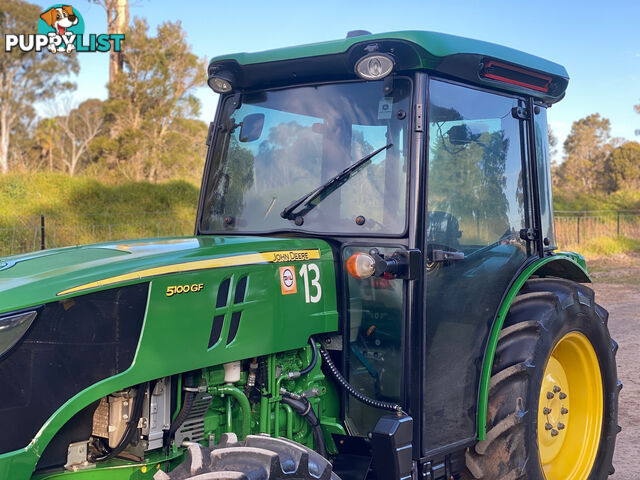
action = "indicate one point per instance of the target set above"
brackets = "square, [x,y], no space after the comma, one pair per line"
[281,145]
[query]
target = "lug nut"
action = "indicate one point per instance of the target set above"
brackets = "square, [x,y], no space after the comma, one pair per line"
[554,432]
[564,411]
[548,426]
[560,426]
[546,410]
[556,389]
[550,395]
[562,396]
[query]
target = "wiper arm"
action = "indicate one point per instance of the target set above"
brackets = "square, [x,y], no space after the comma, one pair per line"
[327,188]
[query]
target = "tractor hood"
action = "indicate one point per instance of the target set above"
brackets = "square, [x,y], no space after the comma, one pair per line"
[39,277]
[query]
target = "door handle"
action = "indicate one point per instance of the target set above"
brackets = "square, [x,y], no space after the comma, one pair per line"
[439,256]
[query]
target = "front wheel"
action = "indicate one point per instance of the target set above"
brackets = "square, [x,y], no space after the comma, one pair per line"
[553,398]
[258,457]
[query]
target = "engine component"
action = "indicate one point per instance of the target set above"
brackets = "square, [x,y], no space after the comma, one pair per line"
[77,457]
[156,413]
[120,406]
[192,429]
[232,372]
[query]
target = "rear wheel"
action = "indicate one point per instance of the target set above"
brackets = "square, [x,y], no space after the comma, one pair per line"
[553,399]
[258,457]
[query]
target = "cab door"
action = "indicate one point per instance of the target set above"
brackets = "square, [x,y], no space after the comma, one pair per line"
[477,204]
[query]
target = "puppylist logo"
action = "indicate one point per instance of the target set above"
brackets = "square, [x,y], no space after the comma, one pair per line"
[61,30]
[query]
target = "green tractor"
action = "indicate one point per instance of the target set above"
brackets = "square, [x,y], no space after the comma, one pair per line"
[373,291]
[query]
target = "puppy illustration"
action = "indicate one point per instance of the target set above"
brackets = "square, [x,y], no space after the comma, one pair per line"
[60,18]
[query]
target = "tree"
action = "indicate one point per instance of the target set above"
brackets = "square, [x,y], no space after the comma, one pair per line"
[25,77]
[623,167]
[117,23]
[586,150]
[637,109]
[149,114]
[45,138]
[78,129]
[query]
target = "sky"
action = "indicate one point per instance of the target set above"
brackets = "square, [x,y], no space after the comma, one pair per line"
[598,42]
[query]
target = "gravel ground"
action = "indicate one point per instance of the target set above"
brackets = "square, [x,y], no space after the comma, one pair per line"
[617,287]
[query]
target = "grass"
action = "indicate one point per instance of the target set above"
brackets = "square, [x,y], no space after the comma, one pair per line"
[605,246]
[81,210]
[611,259]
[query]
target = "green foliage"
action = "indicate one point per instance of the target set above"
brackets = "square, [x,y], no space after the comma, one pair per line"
[81,210]
[152,134]
[623,167]
[26,77]
[586,149]
[567,200]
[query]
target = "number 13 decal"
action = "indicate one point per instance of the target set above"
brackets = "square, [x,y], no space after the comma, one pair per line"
[315,282]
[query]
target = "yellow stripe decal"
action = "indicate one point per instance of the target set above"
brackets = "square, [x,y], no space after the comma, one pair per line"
[233,261]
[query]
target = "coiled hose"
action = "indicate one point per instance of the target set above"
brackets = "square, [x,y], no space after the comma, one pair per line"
[187,404]
[335,373]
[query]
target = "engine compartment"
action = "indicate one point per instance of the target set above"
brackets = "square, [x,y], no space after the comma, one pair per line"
[148,426]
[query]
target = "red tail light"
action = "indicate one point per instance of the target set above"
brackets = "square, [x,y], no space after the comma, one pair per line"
[513,75]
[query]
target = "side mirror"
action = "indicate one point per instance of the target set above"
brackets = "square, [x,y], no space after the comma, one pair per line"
[251,127]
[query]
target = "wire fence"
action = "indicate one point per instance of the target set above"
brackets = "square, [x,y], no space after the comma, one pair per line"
[51,231]
[575,228]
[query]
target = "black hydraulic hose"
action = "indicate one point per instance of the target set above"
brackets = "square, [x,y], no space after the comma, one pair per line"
[314,358]
[132,425]
[303,407]
[335,373]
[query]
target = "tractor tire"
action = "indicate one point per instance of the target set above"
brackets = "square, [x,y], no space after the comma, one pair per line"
[553,394]
[258,457]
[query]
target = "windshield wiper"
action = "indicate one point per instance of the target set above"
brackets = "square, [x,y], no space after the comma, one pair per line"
[327,188]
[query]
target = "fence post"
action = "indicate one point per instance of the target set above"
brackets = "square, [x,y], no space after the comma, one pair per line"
[42,232]
[618,224]
[578,230]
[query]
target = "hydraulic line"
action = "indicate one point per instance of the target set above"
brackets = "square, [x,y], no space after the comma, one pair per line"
[242,400]
[335,373]
[314,358]
[303,407]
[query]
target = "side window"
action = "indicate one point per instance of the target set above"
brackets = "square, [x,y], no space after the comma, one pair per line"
[476,194]
[544,176]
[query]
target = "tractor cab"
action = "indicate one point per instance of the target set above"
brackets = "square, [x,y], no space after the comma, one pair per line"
[404,142]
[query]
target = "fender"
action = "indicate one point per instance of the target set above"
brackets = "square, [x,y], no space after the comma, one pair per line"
[569,265]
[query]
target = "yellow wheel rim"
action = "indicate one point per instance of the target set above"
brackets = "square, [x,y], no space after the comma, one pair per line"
[570,410]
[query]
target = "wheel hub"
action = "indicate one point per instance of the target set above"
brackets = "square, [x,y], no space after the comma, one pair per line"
[554,414]
[570,410]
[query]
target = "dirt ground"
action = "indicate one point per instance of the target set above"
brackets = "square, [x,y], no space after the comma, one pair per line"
[617,287]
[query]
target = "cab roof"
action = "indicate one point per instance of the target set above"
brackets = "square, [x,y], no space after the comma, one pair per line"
[454,56]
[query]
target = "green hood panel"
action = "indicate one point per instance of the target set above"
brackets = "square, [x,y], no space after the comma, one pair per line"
[266,295]
[39,277]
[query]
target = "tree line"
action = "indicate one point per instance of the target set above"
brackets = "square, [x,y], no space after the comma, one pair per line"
[596,163]
[147,129]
